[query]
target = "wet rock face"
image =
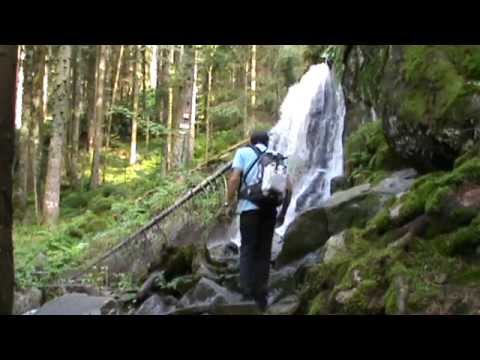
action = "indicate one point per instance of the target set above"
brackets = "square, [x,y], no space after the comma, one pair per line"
[426,96]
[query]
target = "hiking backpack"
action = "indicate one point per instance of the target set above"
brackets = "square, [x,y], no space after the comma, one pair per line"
[270,185]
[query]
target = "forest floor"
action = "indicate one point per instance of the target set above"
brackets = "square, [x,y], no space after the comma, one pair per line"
[93,221]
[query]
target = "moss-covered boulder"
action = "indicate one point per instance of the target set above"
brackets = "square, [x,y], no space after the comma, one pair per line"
[426,95]
[345,209]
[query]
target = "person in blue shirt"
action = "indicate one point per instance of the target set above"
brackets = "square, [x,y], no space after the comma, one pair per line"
[256,224]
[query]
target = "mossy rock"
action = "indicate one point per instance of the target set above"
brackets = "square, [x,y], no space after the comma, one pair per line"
[463,241]
[178,261]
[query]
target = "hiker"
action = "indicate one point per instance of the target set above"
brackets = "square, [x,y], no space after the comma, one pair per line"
[258,212]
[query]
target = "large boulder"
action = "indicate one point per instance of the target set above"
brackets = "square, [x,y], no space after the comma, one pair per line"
[345,209]
[426,95]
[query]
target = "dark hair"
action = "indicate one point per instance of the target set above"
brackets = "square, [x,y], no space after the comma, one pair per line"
[259,137]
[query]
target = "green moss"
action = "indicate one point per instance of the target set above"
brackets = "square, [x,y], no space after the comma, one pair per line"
[414,203]
[179,263]
[361,301]
[391,306]
[435,83]
[369,157]
[463,241]
[319,305]
[435,202]
[468,172]
[380,223]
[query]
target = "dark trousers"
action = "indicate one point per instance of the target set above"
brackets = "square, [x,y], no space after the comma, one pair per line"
[256,230]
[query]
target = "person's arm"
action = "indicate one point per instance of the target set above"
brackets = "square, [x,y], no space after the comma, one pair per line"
[233,185]
[234,181]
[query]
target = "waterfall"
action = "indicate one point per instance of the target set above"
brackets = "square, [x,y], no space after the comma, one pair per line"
[309,133]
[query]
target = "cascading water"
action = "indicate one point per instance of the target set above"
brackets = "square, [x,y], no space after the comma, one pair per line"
[309,133]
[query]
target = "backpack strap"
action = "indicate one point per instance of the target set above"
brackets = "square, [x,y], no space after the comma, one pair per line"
[259,154]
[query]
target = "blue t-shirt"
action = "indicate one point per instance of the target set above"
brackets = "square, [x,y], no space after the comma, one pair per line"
[242,161]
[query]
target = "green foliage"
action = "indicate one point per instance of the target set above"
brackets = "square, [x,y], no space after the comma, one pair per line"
[369,157]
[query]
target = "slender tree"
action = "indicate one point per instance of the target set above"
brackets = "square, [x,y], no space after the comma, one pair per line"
[253,88]
[133,142]
[74,126]
[99,115]
[171,74]
[24,140]
[8,74]
[191,144]
[38,114]
[91,96]
[207,109]
[144,94]
[246,127]
[61,96]
[114,93]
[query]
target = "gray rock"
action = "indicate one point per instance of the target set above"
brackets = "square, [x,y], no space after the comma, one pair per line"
[157,305]
[338,183]
[287,306]
[333,246]
[148,286]
[78,304]
[308,232]
[27,300]
[399,182]
[345,295]
[207,292]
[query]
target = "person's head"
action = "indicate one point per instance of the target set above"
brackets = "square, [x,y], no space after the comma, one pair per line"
[259,137]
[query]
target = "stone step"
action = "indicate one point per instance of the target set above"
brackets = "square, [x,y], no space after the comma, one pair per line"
[78,304]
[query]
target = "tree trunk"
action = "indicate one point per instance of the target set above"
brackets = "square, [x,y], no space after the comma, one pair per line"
[114,94]
[253,87]
[51,197]
[91,96]
[133,143]
[24,141]
[207,109]
[184,109]
[38,120]
[99,114]
[8,74]
[171,73]
[72,156]
[158,86]
[144,95]
[193,117]
[245,115]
